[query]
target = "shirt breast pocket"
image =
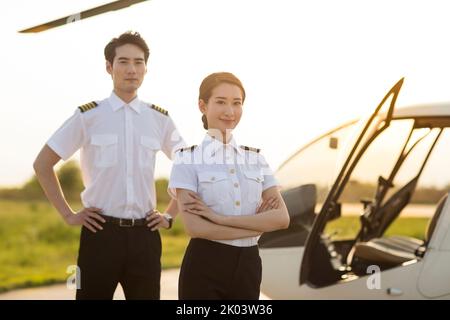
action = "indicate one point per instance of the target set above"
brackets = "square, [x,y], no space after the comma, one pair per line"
[213,187]
[253,180]
[148,148]
[106,149]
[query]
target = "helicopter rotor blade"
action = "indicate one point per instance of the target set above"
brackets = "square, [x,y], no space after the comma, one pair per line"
[112,6]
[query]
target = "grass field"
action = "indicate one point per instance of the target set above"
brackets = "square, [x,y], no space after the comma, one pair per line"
[36,246]
[347,227]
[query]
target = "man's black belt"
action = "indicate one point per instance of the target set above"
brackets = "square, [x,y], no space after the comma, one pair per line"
[121,222]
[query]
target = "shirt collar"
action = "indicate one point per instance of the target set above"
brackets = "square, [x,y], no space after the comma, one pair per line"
[213,145]
[117,103]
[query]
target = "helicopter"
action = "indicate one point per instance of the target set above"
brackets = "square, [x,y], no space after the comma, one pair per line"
[386,155]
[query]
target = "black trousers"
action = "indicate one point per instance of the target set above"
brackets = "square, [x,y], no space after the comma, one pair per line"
[212,270]
[130,256]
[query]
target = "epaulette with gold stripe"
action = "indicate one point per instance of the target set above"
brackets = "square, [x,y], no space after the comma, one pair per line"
[250,149]
[191,148]
[88,106]
[159,109]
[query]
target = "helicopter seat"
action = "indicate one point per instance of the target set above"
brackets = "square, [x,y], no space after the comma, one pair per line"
[396,250]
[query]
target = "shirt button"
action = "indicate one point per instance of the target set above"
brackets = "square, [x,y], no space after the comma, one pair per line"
[238,203]
[232,171]
[236,185]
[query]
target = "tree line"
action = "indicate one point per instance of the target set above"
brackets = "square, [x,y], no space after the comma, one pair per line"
[70,178]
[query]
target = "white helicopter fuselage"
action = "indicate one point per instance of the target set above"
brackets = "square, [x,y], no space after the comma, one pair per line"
[427,277]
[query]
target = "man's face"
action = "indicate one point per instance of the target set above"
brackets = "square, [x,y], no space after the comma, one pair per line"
[128,68]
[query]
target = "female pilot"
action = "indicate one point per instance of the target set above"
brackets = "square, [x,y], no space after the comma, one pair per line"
[230,182]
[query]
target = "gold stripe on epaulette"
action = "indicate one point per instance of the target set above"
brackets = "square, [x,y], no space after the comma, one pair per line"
[159,109]
[88,106]
[250,149]
[191,148]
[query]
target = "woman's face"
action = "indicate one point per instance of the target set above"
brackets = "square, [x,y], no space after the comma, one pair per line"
[224,108]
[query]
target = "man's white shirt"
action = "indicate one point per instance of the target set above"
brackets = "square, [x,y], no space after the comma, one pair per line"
[118,143]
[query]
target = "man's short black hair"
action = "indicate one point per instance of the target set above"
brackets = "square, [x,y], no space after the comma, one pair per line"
[128,37]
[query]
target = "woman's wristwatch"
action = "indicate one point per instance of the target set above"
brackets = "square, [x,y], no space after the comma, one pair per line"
[168,218]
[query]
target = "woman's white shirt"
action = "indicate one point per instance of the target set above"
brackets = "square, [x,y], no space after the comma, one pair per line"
[229,178]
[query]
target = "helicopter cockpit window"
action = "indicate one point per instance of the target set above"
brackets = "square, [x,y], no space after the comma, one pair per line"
[316,163]
[377,161]
[433,184]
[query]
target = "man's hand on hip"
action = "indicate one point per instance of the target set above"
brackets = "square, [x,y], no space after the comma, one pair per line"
[156,220]
[88,217]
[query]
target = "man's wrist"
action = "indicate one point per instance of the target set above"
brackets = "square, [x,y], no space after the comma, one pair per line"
[168,218]
[67,214]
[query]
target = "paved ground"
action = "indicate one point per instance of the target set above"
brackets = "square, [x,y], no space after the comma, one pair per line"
[169,290]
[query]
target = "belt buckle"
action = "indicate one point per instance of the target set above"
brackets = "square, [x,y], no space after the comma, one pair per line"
[126,224]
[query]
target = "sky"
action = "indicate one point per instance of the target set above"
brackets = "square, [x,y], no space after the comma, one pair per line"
[307,66]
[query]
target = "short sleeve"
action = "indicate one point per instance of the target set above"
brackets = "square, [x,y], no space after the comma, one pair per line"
[172,140]
[269,178]
[183,174]
[69,137]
